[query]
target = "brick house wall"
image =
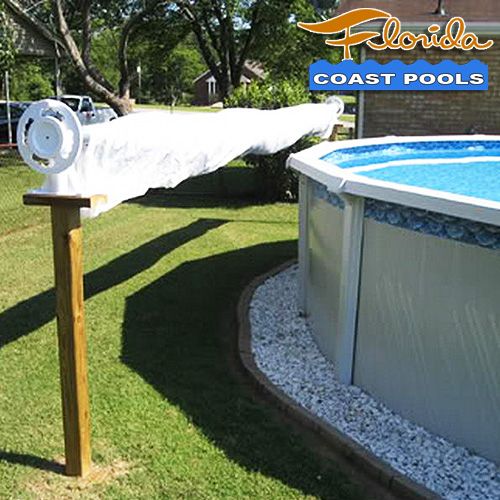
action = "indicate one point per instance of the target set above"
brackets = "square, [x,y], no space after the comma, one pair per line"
[430,113]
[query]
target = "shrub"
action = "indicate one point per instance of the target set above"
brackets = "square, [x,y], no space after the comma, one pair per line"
[30,82]
[275,182]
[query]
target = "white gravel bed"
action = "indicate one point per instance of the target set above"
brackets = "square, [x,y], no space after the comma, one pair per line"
[286,352]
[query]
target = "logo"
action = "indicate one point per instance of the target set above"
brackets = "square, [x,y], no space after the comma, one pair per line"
[421,75]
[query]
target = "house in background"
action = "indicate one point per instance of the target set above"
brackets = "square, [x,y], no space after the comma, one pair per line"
[432,112]
[205,85]
[31,39]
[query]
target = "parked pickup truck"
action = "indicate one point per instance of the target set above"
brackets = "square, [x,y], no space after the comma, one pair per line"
[84,108]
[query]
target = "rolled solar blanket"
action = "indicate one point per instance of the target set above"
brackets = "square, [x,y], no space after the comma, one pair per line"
[125,157]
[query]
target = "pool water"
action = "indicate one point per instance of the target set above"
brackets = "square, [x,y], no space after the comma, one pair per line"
[480,180]
[468,168]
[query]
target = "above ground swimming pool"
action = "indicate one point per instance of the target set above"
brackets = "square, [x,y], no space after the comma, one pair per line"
[400,275]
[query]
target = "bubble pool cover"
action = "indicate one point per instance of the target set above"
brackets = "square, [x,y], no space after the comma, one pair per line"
[124,158]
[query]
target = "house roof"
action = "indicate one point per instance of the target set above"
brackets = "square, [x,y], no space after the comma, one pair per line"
[26,20]
[256,68]
[253,66]
[481,16]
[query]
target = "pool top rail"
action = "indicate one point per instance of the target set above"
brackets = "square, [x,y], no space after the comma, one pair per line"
[453,175]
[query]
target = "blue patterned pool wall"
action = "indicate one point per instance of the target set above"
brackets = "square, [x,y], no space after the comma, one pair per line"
[421,221]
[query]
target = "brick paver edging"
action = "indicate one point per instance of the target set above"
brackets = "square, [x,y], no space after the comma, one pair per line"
[365,461]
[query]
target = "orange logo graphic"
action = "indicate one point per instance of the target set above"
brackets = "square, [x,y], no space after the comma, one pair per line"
[455,35]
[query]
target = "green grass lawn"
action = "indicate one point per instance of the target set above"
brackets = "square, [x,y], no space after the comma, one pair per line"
[348,118]
[348,99]
[172,415]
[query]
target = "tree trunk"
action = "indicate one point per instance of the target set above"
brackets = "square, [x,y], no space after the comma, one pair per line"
[120,103]
[224,89]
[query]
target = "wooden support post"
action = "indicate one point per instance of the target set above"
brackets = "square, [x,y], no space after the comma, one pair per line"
[68,268]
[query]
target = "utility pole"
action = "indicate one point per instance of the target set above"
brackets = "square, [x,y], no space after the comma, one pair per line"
[7,99]
[139,83]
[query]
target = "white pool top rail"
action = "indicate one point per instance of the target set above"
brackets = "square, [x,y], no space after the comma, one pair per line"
[351,181]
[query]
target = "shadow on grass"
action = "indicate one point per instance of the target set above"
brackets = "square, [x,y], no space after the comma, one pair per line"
[31,461]
[31,314]
[227,187]
[168,198]
[180,335]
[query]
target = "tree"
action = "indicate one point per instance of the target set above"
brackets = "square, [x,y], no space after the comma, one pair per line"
[132,17]
[151,46]
[229,32]
[226,31]
[106,40]
[325,8]
[286,51]
[168,76]
[169,58]
[30,81]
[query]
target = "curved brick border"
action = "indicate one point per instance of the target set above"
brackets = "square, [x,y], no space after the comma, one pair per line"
[362,459]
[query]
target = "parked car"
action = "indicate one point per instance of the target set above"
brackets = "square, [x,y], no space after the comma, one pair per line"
[16,110]
[84,108]
[350,108]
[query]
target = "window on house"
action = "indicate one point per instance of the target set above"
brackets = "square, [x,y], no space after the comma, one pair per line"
[212,86]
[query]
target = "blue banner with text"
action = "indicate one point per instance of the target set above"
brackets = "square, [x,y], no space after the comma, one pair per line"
[396,75]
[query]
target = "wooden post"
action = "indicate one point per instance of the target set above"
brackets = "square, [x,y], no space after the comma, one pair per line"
[68,267]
